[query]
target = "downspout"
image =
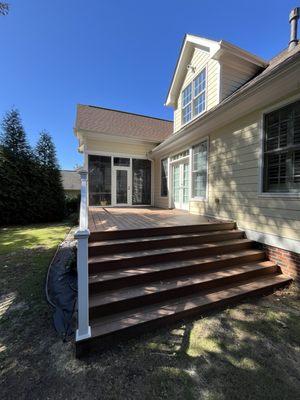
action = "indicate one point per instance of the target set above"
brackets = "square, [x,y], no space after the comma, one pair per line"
[293,19]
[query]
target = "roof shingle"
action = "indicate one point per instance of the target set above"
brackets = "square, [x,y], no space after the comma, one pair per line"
[120,123]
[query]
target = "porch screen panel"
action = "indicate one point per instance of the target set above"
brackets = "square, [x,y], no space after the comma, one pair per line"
[99,180]
[141,182]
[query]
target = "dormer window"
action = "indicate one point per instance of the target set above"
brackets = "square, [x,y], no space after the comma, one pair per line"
[187,104]
[194,97]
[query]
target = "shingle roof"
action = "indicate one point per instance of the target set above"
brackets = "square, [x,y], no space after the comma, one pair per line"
[120,123]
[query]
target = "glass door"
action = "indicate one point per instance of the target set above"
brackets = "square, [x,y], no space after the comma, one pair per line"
[121,186]
[185,186]
[181,185]
[176,185]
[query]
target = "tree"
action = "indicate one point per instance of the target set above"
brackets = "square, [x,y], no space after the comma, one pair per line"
[45,151]
[4,8]
[30,182]
[17,172]
[14,137]
[52,198]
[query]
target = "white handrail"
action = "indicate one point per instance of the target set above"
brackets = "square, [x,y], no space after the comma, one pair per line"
[82,236]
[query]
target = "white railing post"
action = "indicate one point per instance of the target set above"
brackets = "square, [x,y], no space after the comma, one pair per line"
[82,236]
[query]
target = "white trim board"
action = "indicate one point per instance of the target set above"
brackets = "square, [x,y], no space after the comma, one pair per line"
[273,240]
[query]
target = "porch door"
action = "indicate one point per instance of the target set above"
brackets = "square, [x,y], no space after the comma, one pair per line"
[122,188]
[181,186]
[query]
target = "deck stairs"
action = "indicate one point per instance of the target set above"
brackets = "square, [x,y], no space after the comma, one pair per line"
[144,278]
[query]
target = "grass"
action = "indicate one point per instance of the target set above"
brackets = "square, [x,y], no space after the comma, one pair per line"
[251,351]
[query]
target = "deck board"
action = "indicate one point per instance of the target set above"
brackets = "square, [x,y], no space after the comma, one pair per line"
[112,219]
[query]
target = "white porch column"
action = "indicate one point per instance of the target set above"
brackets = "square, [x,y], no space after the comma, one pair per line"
[82,236]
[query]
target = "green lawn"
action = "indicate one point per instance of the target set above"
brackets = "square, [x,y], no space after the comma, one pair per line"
[251,351]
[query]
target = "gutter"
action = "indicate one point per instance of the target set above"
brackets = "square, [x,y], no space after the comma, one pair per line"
[237,96]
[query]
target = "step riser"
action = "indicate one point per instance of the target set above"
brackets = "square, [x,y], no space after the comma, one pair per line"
[143,300]
[168,230]
[170,273]
[156,244]
[107,340]
[170,256]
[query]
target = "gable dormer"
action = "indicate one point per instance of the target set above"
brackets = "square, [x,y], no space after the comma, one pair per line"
[206,73]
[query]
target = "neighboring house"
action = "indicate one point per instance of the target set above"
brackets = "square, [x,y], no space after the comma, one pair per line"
[71,182]
[232,153]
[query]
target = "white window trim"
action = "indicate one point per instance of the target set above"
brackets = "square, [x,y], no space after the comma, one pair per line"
[261,192]
[193,98]
[200,198]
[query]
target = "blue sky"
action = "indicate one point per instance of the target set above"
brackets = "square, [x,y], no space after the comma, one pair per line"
[115,53]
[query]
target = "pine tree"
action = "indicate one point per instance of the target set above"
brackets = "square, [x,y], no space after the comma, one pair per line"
[16,164]
[52,197]
[14,137]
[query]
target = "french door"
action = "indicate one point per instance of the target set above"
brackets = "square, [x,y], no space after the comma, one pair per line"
[121,186]
[181,185]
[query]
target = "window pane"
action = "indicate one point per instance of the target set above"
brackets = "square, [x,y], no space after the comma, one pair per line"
[187,113]
[99,180]
[164,178]
[141,182]
[281,149]
[176,177]
[199,83]
[199,104]
[297,130]
[296,172]
[199,173]
[187,95]
[199,184]
[121,162]
[276,170]
[184,153]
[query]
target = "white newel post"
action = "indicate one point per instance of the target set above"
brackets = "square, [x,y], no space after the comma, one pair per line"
[82,236]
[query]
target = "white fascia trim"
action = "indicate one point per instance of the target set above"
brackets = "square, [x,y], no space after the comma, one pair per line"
[226,47]
[114,138]
[189,44]
[272,240]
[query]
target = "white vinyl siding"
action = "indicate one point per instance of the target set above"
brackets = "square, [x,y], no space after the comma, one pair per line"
[233,183]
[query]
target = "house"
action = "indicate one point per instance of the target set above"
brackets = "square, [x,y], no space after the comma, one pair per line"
[71,182]
[232,153]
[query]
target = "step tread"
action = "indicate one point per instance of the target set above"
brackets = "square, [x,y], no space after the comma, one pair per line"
[155,287]
[118,322]
[101,243]
[144,253]
[160,230]
[146,269]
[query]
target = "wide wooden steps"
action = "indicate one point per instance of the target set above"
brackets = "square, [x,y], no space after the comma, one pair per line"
[144,278]
[138,319]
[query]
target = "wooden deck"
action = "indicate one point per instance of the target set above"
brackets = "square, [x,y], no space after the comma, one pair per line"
[114,219]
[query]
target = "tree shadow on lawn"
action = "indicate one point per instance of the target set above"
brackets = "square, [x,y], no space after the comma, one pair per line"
[246,352]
